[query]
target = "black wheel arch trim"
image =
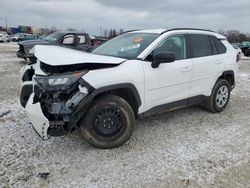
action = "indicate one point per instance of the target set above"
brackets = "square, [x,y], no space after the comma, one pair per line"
[86,102]
[230,73]
[129,86]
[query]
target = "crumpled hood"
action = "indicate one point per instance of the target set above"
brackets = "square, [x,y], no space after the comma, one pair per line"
[57,56]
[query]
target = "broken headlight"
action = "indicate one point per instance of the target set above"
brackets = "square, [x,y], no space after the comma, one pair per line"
[58,82]
[31,51]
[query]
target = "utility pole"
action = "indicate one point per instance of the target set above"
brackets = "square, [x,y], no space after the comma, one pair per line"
[100,30]
[6,22]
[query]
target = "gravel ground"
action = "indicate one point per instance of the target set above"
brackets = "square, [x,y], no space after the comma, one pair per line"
[185,148]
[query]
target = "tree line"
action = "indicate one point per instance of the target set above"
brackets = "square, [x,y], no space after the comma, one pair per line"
[111,33]
[234,36]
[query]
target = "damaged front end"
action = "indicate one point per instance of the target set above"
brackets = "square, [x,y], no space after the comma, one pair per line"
[54,92]
[54,102]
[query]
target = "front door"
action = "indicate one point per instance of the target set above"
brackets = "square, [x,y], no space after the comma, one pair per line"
[170,82]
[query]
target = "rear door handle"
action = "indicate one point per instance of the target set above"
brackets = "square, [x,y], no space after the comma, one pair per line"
[218,62]
[186,69]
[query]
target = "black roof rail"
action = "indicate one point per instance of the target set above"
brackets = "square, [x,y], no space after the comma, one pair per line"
[177,29]
[129,31]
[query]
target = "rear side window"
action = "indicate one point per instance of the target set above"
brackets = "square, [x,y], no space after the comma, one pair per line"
[200,45]
[81,39]
[221,49]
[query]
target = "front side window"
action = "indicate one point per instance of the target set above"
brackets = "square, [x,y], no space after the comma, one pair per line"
[200,45]
[175,44]
[68,39]
[128,45]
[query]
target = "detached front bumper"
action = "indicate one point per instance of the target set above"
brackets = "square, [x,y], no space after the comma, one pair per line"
[39,122]
[52,117]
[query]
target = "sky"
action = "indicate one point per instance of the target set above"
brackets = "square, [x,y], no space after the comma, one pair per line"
[92,15]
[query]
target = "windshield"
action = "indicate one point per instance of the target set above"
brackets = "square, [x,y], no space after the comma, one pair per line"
[128,45]
[53,37]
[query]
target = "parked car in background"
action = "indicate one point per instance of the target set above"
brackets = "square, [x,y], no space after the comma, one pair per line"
[30,37]
[19,37]
[237,48]
[247,52]
[8,38]
[244,46]
[97,41]
[69,39]
[136,74]
[4,37]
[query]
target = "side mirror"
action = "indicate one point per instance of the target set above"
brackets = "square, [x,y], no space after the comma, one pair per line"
[163,57]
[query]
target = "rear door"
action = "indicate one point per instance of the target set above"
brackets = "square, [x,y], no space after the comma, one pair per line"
[207,64]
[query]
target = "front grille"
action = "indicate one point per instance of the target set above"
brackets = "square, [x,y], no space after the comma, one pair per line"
[49,69]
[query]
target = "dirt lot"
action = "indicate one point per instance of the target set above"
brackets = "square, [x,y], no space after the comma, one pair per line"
[186,148]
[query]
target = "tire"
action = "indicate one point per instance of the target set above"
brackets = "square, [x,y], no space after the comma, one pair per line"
[108,123]
[220,96]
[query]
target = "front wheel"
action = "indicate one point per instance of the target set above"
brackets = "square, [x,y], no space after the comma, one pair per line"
[220,96]
[108,123]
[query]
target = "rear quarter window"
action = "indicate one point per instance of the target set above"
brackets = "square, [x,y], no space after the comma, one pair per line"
[221,49]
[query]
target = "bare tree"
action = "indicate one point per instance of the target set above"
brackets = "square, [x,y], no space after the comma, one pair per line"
[114,33]
[110,35]
[70,29]
[121,31]
[53,29]
[105,33]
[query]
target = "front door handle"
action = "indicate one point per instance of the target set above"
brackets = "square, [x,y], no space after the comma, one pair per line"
[186,69]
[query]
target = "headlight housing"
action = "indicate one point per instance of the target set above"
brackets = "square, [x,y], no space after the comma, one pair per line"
[58,82]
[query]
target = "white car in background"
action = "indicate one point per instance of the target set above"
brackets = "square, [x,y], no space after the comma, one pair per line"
[4,37]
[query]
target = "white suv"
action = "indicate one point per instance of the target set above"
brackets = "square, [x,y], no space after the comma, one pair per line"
[135,74]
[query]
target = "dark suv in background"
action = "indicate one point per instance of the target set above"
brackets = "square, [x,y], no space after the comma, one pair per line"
[70,39]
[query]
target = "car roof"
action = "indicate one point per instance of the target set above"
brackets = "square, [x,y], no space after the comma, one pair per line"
[189,30]
[66,32]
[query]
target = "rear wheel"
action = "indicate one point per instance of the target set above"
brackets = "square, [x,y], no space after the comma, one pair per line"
[220,96]
[108,123]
